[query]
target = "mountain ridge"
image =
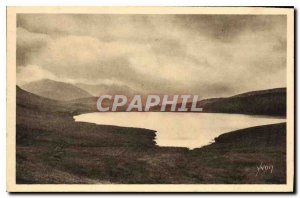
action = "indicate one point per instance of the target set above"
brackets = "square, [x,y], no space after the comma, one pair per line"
[55,90]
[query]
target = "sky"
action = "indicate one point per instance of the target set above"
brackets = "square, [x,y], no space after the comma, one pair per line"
[205,55]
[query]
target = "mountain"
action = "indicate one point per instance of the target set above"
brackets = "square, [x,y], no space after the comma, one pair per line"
[55,90]
[263,102]
[100,89]
[29,101]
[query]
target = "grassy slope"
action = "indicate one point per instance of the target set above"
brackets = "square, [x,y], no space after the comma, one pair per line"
[263,102]
[52,148]
[266,102]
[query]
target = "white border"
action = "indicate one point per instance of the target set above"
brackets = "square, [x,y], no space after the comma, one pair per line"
[11,103]
[5,3]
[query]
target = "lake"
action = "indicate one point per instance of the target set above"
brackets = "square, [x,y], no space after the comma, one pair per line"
[191,130]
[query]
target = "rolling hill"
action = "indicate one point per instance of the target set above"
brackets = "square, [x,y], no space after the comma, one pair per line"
[264,102]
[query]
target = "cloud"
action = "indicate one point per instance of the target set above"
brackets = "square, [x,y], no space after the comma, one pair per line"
[32,73]
[208,55]
[28,43]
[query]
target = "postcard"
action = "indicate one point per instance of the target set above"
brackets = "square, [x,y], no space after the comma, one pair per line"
[150,99]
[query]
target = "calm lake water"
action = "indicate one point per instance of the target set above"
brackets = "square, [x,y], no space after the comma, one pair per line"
[190,130]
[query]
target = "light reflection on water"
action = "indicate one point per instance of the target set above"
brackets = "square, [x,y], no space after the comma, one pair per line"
[190,130]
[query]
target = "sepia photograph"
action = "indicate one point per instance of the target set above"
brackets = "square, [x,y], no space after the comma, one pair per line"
[150,99]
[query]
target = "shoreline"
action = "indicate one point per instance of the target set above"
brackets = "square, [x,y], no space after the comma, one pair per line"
[54,149]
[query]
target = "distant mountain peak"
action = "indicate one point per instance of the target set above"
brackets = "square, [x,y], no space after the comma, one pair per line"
[55,90]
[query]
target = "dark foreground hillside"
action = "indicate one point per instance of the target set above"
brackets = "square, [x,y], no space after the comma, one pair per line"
[53,149]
